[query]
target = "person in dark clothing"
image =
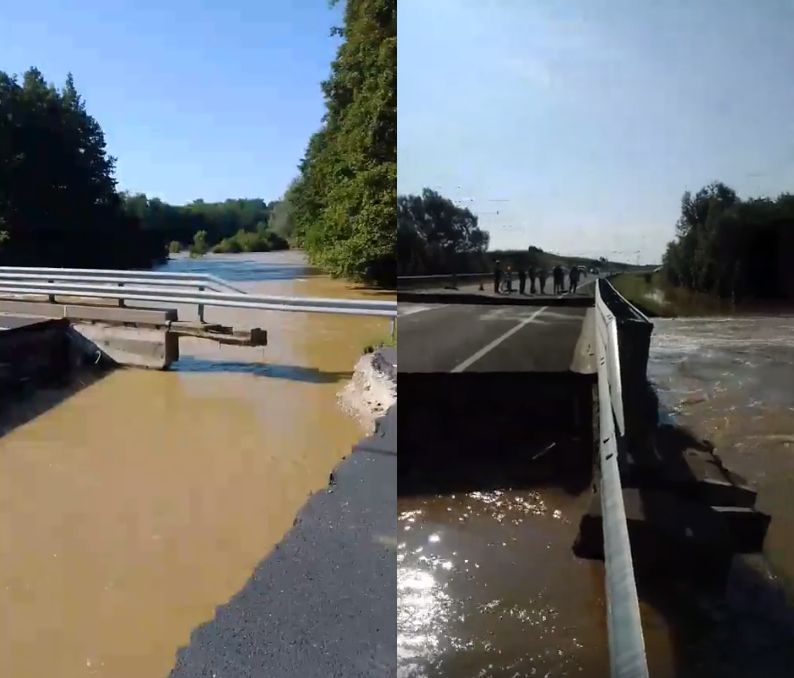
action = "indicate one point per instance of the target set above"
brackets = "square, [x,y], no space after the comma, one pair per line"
[532,273]
[542,275]
[558,279]
[522,281]
[497,277]
[573,278]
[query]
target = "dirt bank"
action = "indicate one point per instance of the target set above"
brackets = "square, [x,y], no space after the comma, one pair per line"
[373,388]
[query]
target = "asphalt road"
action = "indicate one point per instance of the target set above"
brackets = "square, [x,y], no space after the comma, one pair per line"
[488,338]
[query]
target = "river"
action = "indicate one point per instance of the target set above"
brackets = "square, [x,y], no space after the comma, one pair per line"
[133,508]
[730,380]
[487,583]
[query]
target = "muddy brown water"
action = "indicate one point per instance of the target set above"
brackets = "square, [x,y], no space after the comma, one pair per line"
[133,508]
[487,583]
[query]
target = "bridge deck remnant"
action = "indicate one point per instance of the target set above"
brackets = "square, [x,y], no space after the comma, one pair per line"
[474,362]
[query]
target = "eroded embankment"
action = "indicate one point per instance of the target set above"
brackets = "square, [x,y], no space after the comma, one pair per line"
[328,589]
[373,388]
[487,430]
[324,602]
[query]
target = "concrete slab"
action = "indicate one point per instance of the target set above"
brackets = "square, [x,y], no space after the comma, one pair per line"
[584,354]
[78,312]
[697,476]
[669,535]
[747,526]
[150,348]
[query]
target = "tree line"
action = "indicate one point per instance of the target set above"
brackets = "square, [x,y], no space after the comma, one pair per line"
[59,203]
[342,206]
[437,237]
[732,248]
[243,225]
[58,200]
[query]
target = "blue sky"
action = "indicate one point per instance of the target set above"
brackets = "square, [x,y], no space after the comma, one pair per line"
[591,117]
[214,99]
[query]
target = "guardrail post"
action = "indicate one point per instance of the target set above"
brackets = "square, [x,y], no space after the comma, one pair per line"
[640,408]
[201,307]
[634,337]
[393,327]
[454,281]
[51,297]
[121,301]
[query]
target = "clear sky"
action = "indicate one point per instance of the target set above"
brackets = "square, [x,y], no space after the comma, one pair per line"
[213,99]
[591,117]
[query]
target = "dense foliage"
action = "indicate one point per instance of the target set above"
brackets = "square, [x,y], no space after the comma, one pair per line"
[229,226]
[731,247]
[58,200]
[343,204]
[435,236]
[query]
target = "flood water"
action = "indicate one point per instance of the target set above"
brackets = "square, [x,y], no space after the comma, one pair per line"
[132,509]
[731,381]
[487,583]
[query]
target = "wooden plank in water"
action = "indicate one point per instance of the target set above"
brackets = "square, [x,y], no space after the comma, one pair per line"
[221,334]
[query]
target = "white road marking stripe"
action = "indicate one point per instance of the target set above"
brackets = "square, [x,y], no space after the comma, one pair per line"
[410,310]
[490,347]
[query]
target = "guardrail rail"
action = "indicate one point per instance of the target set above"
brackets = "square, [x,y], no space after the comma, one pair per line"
[624,623]
[172,288]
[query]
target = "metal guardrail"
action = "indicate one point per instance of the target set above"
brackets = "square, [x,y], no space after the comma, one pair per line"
[624,623]
[169,288]
[203,280]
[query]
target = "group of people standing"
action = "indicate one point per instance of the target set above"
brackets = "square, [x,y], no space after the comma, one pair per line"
[535,275]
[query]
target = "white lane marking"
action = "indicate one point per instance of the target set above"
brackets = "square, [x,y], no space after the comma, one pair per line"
[507,313]
[490,347]
[410,310]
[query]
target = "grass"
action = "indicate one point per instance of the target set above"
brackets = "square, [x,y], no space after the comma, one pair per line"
[639,289]
[383,341]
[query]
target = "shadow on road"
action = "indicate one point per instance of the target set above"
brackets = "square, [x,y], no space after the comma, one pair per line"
[477,431]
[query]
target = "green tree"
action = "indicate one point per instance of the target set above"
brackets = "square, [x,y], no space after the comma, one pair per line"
[58,199]
[344,204]
[730,247]
[199,245]
[282,221]
[435,236]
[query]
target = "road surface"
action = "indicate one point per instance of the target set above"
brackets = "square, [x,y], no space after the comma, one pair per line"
[455,337]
